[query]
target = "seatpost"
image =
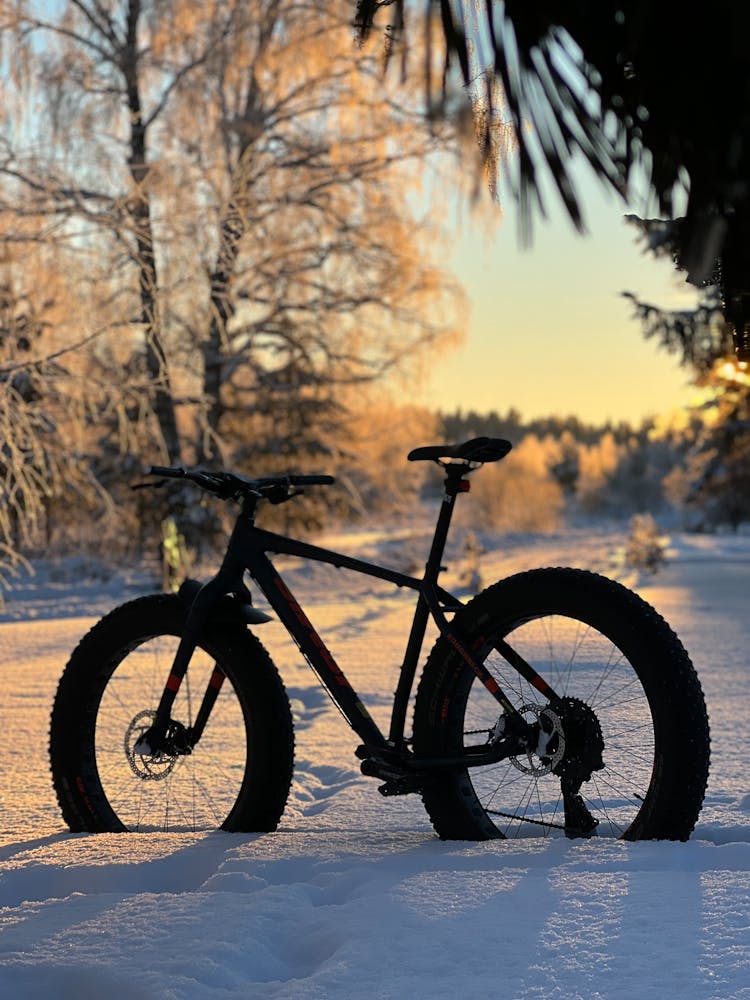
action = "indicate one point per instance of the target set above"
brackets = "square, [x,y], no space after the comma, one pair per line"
[454,484]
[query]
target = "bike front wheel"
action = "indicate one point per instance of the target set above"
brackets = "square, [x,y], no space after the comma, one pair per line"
[238,775]
[631,714]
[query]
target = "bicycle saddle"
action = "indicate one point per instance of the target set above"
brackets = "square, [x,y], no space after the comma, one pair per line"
[481,449]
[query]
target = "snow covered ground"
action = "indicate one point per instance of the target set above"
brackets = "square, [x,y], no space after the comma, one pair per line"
[354,896]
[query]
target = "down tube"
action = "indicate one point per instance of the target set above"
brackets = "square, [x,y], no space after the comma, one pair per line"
[316,653]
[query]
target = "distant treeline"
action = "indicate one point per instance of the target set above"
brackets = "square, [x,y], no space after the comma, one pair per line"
[461,425]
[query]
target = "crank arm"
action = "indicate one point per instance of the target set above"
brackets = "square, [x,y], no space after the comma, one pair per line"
[511,744]
[507,746]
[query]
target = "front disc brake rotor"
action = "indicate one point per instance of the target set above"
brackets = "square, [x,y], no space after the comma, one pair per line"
[147,767]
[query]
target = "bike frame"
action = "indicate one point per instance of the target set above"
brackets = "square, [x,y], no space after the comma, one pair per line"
[248,550]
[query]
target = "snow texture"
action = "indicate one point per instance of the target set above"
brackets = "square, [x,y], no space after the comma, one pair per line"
[354,896]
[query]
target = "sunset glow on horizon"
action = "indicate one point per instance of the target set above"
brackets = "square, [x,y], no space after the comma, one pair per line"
[549,331]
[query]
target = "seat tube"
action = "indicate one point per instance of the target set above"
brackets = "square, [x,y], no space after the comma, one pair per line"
[454,484]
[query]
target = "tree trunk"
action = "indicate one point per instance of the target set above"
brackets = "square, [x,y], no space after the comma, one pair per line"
[221,311]
[222,308]
[148,279]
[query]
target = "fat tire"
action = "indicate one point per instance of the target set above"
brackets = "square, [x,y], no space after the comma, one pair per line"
[671,806]
[265,714]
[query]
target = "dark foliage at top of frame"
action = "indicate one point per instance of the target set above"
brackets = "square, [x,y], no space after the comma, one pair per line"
[671,94]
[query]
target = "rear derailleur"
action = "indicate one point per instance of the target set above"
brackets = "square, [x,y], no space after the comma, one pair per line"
[584,746]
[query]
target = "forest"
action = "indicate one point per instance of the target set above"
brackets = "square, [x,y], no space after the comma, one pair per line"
[217,248]
[689,468]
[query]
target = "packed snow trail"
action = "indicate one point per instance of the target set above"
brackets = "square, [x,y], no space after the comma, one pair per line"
[354,897]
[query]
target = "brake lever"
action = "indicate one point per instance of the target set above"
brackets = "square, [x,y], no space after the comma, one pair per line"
[280,497]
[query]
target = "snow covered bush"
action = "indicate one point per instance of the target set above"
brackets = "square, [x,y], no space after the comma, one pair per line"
[646,547]
[470,575]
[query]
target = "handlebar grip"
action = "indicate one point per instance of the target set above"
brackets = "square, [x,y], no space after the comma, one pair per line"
[167,471]
[312,480]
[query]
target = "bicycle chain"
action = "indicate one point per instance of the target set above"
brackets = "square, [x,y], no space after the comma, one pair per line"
[525,819]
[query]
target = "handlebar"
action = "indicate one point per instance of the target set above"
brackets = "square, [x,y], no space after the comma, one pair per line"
[232,486]
[166,471]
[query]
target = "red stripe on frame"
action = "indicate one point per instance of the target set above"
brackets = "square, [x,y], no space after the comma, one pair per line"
[542,686]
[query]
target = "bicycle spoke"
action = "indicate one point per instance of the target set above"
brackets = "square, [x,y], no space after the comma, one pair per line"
[580,663]
[193,792]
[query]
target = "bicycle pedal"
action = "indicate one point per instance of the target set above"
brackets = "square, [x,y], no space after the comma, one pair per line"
[401,786]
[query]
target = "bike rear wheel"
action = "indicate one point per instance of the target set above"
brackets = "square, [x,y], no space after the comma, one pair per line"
[237,776]
[633,709]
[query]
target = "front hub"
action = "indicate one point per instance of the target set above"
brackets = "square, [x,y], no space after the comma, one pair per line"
[148,766]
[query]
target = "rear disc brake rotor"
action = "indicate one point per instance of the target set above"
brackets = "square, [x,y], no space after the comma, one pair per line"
[550,747]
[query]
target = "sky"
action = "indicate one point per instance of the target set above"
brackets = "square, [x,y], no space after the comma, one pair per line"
[548,331]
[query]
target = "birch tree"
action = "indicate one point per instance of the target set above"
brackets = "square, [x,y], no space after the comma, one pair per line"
[101,90]
[318,275]
[236,205]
